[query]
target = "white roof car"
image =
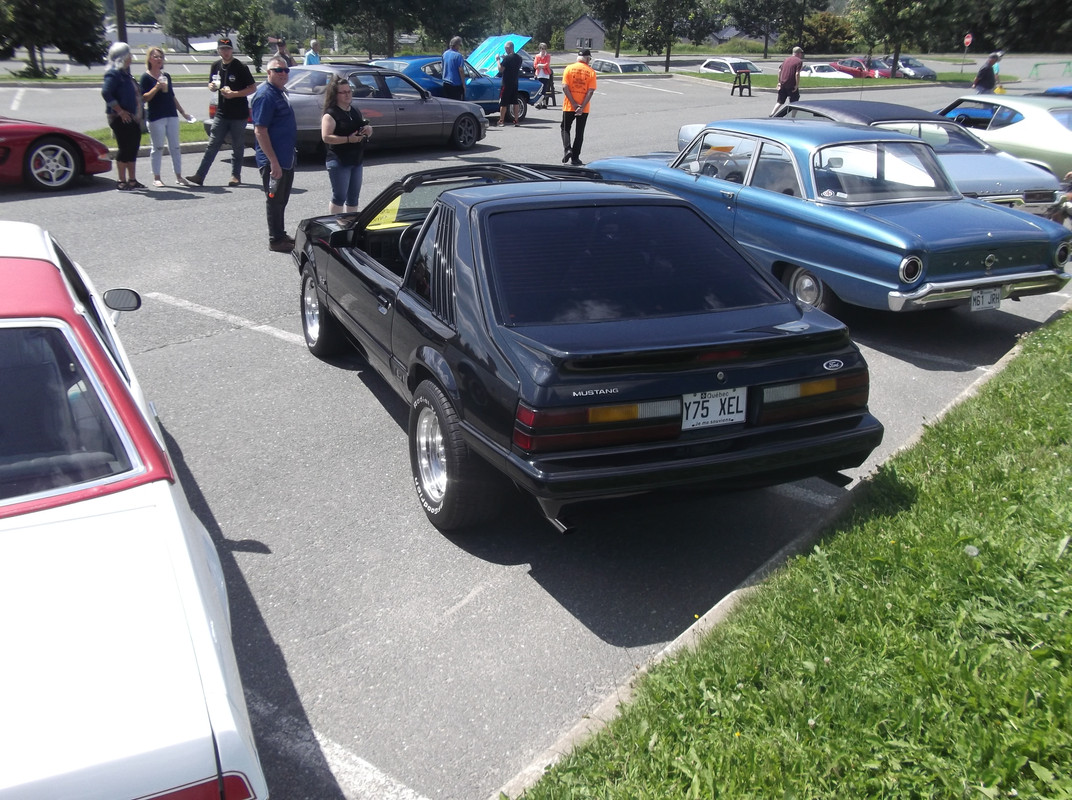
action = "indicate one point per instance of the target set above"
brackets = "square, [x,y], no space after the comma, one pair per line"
[823,71]
[619,65]
[727,66]
[119,677]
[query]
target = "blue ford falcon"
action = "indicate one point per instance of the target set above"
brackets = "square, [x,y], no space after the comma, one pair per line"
[845,213]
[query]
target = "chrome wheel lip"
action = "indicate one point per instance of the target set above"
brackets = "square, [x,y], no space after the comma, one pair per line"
[52,165]
[431,455]
[310,311]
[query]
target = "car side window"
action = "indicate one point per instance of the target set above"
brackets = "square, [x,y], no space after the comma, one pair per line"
[364,86]
[430,276]
[719,155]
[1004,116]
[774,171]
[400,87]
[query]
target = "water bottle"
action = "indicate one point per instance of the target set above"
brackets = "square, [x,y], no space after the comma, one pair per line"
[272,184]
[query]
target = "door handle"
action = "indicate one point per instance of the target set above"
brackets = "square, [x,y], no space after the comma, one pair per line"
[726,195]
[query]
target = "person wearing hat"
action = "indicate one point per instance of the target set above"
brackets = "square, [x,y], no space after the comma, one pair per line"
[789,79]
[282,52]
[233,82]
[986,78]
[578,86]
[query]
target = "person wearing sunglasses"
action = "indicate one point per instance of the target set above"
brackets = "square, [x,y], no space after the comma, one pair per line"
[344,132]
[276,132]
[233,82]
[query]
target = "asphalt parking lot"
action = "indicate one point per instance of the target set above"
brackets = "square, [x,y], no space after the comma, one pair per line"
[381,658]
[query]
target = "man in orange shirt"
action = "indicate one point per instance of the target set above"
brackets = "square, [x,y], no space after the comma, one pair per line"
[578,86]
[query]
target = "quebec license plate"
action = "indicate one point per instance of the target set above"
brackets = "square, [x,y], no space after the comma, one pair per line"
[986,299]
[705,409]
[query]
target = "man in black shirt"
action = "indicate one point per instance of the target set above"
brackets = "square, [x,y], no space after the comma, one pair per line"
[234,83]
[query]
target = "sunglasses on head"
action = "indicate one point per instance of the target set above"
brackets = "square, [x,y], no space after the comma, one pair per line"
[279,69]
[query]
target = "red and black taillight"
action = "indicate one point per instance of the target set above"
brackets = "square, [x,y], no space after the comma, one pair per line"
[816,398]
[542,431]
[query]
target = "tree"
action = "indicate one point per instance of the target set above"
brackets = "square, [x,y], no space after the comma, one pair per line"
[660,23]
[253,33]
[891,21]
[760,18]
[189,18]
[615,15]
[74,27]
[825,33]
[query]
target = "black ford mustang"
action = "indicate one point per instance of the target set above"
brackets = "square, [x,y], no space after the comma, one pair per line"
[635,348]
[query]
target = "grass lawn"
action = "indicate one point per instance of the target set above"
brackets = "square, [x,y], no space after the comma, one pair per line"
[923,649]
[188,132]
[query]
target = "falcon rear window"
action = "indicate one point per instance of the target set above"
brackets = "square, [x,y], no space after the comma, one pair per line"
[616,263]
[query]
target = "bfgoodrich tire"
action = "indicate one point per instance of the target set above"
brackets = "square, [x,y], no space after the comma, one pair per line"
[456,488]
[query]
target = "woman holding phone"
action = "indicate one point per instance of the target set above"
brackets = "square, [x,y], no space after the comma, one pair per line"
[344,132]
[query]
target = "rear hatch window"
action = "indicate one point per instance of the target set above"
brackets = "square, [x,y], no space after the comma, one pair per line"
[615,263]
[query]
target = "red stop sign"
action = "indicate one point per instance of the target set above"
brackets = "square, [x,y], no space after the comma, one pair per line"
[967,40]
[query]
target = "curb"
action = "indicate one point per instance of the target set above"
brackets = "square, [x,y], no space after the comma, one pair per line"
[608,710]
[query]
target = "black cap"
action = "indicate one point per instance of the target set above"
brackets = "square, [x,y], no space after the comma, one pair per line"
[225,43]
[585,52]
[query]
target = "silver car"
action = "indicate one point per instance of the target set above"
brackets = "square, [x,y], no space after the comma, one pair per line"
[401,112]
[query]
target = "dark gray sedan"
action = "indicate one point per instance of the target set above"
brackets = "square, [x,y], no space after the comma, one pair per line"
[401,112]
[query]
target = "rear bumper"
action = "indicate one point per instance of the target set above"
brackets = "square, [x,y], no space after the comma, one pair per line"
[935,295]
[750,459]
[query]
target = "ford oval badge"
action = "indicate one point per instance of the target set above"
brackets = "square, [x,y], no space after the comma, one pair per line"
[833,365]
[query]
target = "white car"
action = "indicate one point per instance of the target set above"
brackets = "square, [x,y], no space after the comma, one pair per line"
[823,71]
[119,679]
[620,66]
[729,66]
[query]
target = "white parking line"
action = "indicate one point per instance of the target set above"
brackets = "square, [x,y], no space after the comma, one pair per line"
[357,778]
[646,86]
[16,101]
[230,319]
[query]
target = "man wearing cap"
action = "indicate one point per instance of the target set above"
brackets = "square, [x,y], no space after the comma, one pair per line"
[282,52]
[234,83]
[276,131]
[578,86]
[986,79]
[789,79]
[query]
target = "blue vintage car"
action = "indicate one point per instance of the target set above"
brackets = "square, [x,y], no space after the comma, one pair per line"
[856,214]
[427,72]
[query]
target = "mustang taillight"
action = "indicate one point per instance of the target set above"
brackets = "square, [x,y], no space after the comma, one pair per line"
[541,431]
[815,398]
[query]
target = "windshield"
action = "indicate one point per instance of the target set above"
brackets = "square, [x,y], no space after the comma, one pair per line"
[55,431]
[615,263]
[879,172]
